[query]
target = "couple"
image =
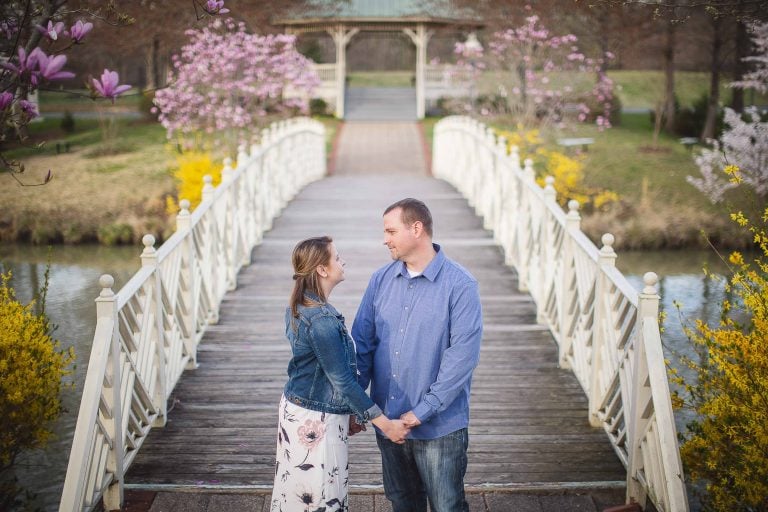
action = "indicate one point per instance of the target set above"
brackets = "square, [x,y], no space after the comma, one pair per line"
[416,341]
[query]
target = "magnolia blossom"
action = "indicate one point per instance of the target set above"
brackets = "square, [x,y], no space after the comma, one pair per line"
[79,30]
[51,31]
[29,109]
[108,86]
[227,79]
[26,63]
[215,7]
[6,98]
[50,67]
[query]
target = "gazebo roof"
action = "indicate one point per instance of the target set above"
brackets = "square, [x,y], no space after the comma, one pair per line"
[379,11]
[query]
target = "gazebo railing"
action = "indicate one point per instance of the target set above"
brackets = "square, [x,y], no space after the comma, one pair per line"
[148,332]
[606,332]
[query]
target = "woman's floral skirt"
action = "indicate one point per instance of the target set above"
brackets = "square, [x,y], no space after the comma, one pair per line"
[311,468]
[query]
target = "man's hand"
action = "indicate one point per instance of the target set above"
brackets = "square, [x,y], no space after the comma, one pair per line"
[354,426]
[410,420]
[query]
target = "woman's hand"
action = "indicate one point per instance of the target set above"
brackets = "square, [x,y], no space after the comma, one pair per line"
[395,430]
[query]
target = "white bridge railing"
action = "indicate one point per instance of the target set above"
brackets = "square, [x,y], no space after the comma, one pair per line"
[607,333]
[147,333]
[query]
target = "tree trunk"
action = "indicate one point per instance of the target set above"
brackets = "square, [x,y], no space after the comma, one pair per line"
[739,66]
[669,77]
[153,68]
[713,106]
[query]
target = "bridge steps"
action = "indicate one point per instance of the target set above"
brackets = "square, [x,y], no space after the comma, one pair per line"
[529,427]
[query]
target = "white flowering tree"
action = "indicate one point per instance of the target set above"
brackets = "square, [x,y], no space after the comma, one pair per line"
[740,157]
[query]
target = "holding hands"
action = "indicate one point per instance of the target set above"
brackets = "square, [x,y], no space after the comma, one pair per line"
[395,430]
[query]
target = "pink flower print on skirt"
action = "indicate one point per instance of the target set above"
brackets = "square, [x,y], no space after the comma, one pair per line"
[311,462]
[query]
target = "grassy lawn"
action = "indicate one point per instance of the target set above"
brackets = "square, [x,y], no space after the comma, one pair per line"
[99,188]
[80,101]
[636,89]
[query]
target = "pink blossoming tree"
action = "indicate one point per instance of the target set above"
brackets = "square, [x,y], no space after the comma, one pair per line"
[741,154]
[227,81]
[35,36]
[538,70]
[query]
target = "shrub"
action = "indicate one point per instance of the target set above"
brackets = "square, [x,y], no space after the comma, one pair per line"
[68,122]
[568,171]
[725,446]
[115,234]
[190,169]
[32,365]
[318,107]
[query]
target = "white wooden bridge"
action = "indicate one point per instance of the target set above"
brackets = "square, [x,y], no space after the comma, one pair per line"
[188,360]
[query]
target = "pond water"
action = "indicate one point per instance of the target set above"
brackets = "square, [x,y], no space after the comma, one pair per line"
[74,285]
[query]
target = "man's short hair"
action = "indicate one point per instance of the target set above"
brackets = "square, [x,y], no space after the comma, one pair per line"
[413,210]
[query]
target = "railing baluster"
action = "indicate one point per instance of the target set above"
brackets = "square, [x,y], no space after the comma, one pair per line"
[607,335]
[150,330]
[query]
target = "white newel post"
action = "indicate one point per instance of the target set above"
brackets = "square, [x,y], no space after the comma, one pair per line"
[546,250]
[607,258]
[106,307]
[569,294]
[149,259]
[188,294]
[649,361]
[231,225]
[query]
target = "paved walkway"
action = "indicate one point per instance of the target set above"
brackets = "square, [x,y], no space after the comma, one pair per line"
[531,447]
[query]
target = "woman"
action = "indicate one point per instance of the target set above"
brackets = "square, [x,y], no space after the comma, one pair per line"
[311,470]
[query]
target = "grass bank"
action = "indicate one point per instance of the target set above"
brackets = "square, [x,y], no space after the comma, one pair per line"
[110,191]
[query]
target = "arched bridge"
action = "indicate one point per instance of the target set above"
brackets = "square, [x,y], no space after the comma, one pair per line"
[570,402]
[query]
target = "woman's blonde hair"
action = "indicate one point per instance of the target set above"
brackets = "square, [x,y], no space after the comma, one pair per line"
[307,256]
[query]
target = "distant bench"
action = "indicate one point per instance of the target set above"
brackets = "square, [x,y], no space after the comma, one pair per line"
[689,142]
[584,142]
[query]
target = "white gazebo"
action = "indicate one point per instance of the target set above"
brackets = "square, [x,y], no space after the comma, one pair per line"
[418,19]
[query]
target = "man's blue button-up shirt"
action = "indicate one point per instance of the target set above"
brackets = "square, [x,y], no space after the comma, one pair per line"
[418,341]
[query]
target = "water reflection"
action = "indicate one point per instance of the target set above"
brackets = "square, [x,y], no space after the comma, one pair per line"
[72,289]
[74,286]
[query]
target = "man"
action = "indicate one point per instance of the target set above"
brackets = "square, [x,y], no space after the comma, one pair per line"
[418,334]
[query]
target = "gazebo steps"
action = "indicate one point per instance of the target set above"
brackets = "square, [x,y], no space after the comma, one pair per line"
[380,104]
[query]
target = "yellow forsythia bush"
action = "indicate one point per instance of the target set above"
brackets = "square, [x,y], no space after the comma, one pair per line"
[726,446]
[189,170]
[32,366]
[567,171]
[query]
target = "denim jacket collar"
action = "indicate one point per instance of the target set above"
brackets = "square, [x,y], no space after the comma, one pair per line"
[322,304]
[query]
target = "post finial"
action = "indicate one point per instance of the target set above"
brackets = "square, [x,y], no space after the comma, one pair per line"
[607,254]
[184,204]
[573,206]
[650,279]
[106,282]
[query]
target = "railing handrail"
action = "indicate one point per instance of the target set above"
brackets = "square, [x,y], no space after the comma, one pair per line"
[147,333]
[606,331]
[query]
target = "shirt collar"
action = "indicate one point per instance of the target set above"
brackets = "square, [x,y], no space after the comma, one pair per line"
[432,269]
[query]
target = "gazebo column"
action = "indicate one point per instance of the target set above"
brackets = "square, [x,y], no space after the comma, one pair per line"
[420,38]
[341,37]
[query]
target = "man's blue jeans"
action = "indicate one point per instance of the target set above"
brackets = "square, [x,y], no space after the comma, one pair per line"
[422,470]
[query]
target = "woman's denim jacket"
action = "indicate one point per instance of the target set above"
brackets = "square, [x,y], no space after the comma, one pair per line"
[322,374]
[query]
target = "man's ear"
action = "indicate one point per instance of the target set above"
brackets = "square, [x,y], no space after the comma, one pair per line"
[418,229]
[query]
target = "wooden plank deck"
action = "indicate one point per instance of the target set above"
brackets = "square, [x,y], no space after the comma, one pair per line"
[528,417]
